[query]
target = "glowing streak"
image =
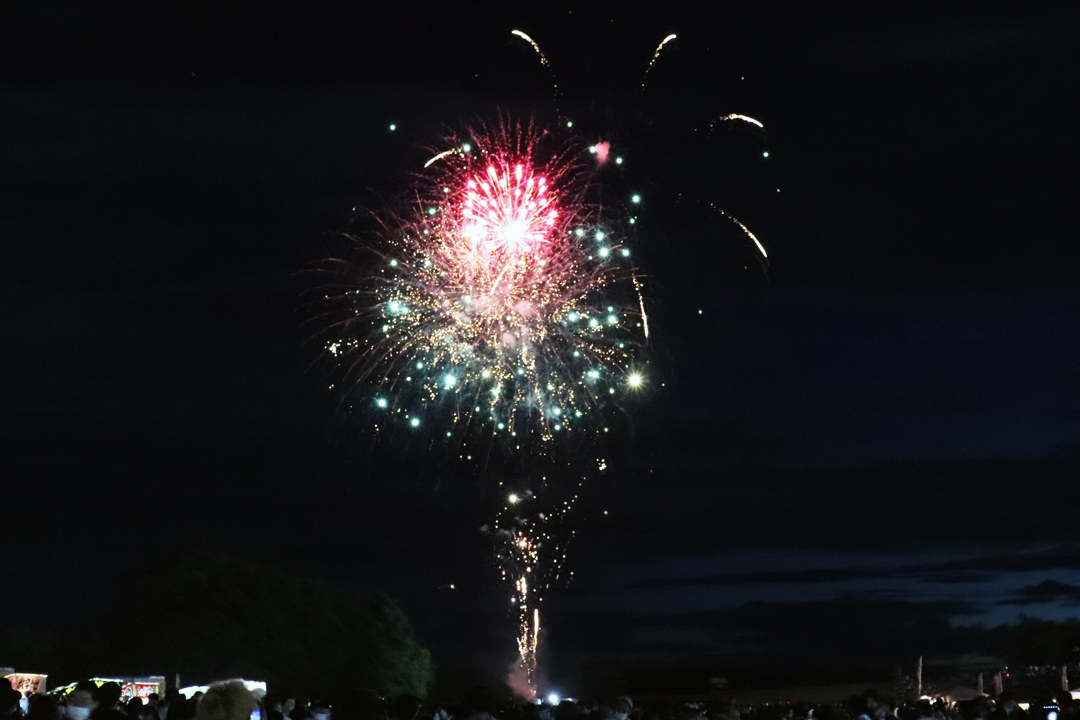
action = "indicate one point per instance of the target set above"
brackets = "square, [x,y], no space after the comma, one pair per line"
[655,56]
[641,304]
[735,116]
[543,59]
[745,230]
[439,157]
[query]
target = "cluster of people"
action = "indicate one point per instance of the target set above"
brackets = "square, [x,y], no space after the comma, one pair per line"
[230,700]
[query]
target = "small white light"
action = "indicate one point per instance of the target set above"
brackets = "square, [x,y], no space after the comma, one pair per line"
[635,199]
[415,422]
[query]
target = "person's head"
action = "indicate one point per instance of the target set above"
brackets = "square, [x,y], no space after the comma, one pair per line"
[227,700]
[81,701]
[108,695]
[622,707]
[9,701]
[320,710]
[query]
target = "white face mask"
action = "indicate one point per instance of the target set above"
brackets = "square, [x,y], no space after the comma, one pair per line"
[621,716]
[78,713]
[321,716]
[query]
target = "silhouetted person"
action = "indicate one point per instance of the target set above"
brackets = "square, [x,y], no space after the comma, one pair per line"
[108,697]
[9,704]
[226,701]
[81,702]
[43,707]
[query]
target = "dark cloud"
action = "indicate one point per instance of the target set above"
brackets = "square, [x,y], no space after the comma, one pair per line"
[839,634]
[959,571]
[1048,591]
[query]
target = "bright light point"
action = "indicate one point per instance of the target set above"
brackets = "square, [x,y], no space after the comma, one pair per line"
[569,123]
[513,499]
[393,127]
[393,263]
[381,402]
[635,199]
[419,366]
[766,153]
[604,252]
[592,149]
[618,161]
[450,381]
[600,235]
[431,211]
[593,323]
[579,232]
[556,412]
[634,380]
[553,699]
[612,319]
[572,317]
[633,221]
[466,147]
[502,426]
[415,422]
[486,374]
[625,252]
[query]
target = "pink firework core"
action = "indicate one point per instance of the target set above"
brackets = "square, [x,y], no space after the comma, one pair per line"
[509,208]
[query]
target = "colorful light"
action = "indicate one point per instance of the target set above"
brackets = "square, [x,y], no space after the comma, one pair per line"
[475,304]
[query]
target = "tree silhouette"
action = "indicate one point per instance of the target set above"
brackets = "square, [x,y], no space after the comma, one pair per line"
[210,617]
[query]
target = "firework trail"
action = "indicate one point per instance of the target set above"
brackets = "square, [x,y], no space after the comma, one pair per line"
[503,305]
[543,60]
[735,116]
[746,231]
[655,57]
[531,559]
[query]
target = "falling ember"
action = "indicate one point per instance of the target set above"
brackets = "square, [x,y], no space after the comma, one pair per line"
[655,57]
[543,59]
[735,116]
[745,230]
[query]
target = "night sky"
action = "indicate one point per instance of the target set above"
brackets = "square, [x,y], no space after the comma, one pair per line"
[845,461]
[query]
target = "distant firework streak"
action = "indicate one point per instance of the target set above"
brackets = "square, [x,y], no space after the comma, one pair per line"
[504,304]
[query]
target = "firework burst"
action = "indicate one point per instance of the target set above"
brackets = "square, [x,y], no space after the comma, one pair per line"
[504,303]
